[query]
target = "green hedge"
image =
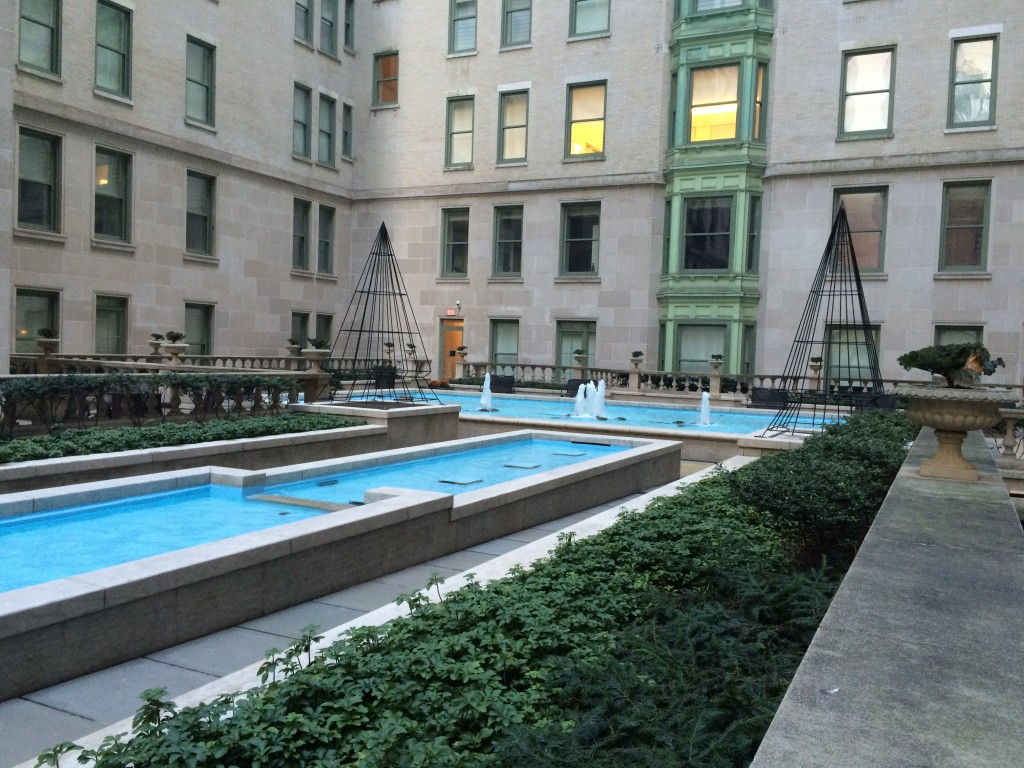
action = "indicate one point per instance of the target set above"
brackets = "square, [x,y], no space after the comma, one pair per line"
[667,639]
[80,442]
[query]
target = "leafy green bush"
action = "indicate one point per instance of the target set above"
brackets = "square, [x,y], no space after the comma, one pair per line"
[80,442]
[667,639]
[823,497]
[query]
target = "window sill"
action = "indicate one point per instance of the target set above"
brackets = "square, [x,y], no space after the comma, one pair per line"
[40,234]
[590,278]
[112,245]
[332,55]
[348,159]
[518,278]
[453,278]
[303,273]
[328,276]
[191,123]
[304,43]
[866,136]
[448,168]
[965,275]
[380,107]
[200,258]
[589,36]
[516,47]
[880,275]
[461,54]
[349,50]
[592,157]
[510,164]
[970,129]
[326,166]
[114,97]
[302,159]
[53,77]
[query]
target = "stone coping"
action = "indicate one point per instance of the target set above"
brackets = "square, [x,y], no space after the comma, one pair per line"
[916,662]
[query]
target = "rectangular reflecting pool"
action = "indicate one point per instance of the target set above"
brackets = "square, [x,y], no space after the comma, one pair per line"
[85,537]
[316,535]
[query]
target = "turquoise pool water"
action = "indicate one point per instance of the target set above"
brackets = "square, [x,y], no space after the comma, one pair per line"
[453,473]
[619,414]
[72,540]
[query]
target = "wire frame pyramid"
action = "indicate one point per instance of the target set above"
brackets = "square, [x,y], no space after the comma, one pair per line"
[835,332]
[383,344]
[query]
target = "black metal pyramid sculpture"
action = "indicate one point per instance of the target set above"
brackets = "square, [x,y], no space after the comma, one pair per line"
[383,348]
[832,366]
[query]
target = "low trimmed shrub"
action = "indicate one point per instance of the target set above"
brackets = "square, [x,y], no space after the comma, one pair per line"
[81,442]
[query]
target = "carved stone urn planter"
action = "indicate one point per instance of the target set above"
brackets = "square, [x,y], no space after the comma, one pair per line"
[952,413]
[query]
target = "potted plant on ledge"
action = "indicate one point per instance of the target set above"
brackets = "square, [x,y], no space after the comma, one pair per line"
[316,352]
[954,407]
[47,340]
[175,345]
[637,358]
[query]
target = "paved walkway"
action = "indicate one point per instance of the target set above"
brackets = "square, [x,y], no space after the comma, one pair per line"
[78,708]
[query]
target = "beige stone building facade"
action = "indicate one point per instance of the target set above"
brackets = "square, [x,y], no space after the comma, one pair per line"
[908,113]
[221,169]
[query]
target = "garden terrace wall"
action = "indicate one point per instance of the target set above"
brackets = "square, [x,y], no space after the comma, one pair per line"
[69,627]
[385,429]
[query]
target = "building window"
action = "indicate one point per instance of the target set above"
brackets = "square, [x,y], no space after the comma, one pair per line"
[346,130]
[851,356]
[581,238]
[302,107]
[199,214]
[325,241]
[707,233]
[38,181]
[300,327]
[760,93]
[113,49]
[973,87]
[964,225]
[385,79]
[516,21]
[455,247]
[462,35]
[504,342]
[715,5]
[695,344]
[589,17]
[508,241]
[459,153]
[324,327]
[300,234]
[585,129]
[199,328]
[199,74]
[39,35]
[350,24]
[329,26]
[865,212]
[571,335]
[512,128]
[34,310]
[958,334]
[113,183]
[754,235]
[714,102]
[866,110]
[111,327]
[303,21]
[325,132]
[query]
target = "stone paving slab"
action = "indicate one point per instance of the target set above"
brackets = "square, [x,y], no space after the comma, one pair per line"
[289,623]
[27,728]
[220,653]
